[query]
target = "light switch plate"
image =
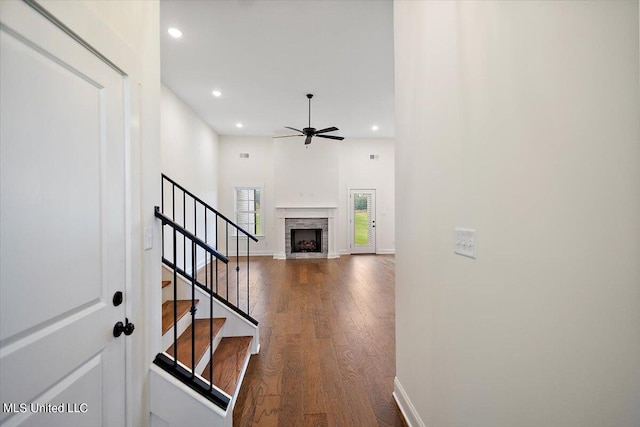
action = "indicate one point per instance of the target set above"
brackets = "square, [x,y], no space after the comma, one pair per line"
[465,242]
[148,238]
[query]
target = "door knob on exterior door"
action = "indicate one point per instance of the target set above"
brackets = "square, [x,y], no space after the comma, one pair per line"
[127,328]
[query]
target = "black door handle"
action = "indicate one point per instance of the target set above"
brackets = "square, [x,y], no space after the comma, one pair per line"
[127,328]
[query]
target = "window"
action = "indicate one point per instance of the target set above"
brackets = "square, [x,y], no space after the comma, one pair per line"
[248,209]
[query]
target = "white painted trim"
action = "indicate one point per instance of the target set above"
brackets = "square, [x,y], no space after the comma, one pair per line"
[234,232]
[261,253]
[264,252]
[386,252]
[171,385]
[409,412]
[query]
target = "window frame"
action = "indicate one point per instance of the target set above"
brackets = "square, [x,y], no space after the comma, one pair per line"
[260,211]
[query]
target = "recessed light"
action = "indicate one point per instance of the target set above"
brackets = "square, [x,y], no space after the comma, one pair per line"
[239,125]
[374,127]
[216,93]
[175,33]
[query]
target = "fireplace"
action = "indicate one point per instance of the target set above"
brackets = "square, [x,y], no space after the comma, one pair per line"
[306,240]
[308,219]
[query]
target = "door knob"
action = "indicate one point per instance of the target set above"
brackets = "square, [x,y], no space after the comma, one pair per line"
[126,327]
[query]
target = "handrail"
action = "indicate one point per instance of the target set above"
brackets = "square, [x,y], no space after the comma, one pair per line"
[166,220]
[207,206]
[187,276]
[187,251]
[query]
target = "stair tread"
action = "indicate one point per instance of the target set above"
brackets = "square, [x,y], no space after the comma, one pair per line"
[202,340]
[166,283]
[167,312]
[228,361]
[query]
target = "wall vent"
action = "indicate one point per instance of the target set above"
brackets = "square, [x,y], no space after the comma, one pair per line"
[244,155]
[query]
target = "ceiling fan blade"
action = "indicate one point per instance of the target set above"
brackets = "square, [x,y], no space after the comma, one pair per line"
[287,136]
[308,140]
[339,138]
[297,130]
[331,129]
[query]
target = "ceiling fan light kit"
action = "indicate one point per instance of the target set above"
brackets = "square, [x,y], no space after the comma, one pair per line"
[310,132]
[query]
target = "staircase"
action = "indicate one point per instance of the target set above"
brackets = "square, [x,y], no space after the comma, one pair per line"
[208,335]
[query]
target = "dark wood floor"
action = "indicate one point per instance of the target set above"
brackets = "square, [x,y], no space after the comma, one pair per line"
[327,335]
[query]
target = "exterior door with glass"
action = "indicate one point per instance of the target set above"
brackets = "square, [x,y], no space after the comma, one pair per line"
[362,221]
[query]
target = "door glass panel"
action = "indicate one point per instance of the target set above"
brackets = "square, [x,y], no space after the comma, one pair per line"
[361,219]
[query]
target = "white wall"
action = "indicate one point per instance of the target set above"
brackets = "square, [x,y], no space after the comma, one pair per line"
[136,24]
[320,175]
[358,171]
[189,152]
[256,170]
[521,120]
[306,175]
[189,148]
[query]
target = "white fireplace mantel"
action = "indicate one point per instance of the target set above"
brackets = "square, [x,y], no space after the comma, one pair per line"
[284,212]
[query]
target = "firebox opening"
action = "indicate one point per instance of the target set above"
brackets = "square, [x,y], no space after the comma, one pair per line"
[306,240]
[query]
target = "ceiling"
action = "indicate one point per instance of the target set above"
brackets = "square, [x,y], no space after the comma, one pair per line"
[266,55]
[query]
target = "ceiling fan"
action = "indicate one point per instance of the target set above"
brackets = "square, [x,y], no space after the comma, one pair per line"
[310,132]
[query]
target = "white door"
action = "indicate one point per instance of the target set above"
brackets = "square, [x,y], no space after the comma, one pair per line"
[362,221]
[62,220]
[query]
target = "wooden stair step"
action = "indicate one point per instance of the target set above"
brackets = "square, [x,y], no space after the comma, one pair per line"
[165,283]
[167,312]
[202,340]
[228,361]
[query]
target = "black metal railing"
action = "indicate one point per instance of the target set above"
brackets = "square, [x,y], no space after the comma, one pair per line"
[185,370]
[210,226]
[190,248]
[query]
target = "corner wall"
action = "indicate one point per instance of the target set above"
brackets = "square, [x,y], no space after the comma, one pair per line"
[520,120]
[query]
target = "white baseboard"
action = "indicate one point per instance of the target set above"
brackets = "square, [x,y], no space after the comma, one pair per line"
[406,407]
[378,252]
[386,252]
[260,253]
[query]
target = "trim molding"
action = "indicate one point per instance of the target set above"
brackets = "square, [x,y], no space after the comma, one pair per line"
[261,253]
[409,412]
[386,252]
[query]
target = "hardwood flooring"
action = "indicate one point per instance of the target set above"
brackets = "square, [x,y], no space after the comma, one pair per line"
[202,342]
[228,361]
[167,312]
[327,335]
